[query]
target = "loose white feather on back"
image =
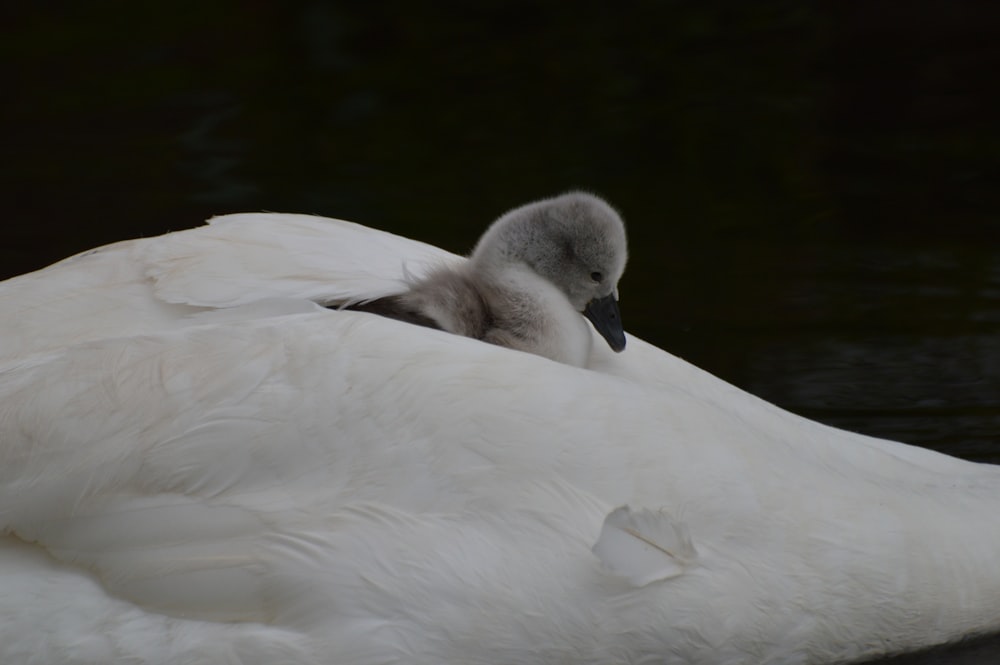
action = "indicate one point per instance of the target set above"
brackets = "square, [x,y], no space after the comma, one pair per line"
[644,546]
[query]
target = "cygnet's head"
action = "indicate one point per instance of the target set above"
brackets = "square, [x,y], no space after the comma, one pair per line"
[577,242]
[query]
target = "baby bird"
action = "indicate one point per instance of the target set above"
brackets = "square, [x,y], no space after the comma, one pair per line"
[531,276]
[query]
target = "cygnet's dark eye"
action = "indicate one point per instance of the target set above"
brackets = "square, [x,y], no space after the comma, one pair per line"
[596,276]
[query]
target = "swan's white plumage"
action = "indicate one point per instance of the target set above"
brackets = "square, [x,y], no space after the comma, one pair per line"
[158,284]
[237,259]
[281,483]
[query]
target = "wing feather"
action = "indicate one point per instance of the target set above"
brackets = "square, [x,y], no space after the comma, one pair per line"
[239,258]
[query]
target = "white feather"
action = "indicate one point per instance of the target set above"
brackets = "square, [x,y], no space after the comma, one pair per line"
[644,546]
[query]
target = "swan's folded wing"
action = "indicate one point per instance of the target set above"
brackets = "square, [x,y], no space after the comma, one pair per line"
[99,293]
[215,472]
[239,258]
[158,284]
[161,464]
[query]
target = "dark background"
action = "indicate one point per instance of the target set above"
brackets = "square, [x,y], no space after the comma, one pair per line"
[810,187]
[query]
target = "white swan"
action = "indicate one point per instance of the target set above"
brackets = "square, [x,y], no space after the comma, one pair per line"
[280,483]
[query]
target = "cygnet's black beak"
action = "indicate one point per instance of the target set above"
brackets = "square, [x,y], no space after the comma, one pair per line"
[603,313]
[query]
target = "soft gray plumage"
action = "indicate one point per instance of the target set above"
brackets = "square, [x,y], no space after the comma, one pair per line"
[532,274]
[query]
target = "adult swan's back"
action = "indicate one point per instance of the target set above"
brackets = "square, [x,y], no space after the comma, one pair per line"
[264,486]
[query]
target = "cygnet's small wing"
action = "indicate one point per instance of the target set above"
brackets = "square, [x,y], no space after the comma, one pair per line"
[397,307]
[244,257]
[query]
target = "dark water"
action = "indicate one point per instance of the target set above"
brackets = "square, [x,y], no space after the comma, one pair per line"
[810,187]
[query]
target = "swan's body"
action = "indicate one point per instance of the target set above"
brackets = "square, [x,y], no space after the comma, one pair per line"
[532,274]
[280,483]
